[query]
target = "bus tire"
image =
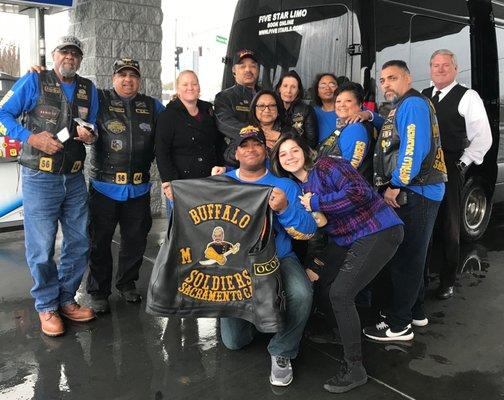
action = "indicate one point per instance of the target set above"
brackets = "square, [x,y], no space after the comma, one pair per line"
[475,210]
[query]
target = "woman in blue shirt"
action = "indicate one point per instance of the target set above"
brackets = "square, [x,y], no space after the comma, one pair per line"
[324,86]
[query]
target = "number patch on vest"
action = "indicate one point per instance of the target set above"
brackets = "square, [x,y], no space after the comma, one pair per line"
[76,166]
[45,164]
[121,178]
[137,178]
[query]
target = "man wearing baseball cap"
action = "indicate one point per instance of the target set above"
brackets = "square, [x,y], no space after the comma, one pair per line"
[232,105]
[119,191]
[54,190]
[290,219]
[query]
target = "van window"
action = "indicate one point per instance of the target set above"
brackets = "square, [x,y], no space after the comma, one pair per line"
[499,32]
[440,35]
[309,40]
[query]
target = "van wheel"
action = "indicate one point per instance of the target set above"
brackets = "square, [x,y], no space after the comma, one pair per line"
[475,211]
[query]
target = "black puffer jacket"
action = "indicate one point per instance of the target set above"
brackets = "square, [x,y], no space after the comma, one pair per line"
[186,146]
[302,118]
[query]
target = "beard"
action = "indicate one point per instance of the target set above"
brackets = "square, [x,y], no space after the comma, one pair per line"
[67,72]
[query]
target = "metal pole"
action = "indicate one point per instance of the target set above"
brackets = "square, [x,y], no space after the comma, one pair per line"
[40,27]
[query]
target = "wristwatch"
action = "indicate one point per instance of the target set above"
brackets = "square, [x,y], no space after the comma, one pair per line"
[461,166]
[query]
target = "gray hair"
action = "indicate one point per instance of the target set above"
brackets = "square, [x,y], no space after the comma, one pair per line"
[445,52]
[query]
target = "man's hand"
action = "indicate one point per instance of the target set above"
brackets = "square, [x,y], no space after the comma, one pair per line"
[312,276]
[278,201]
[84,135]
[44,141]
[305,200]
[167,190]
[390,196]
[361,116]
[218,170]
[36,68]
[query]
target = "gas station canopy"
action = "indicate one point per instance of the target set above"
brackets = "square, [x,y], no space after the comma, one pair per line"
[50,6]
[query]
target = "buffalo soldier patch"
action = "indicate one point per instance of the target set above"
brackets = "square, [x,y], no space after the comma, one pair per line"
[220,259]
[116,144]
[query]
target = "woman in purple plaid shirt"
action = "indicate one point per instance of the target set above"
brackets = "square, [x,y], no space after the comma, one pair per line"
[359,223]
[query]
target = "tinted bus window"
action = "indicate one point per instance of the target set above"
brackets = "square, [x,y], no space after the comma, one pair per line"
[309,40]
[499,32]
[441,35]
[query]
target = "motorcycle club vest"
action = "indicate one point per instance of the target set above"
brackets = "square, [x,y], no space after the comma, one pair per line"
[331,147]
[220,259]
[124,150]
[433,168]
[52,113]
[451,124]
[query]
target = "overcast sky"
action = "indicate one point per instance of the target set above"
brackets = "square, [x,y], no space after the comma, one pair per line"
[198,22]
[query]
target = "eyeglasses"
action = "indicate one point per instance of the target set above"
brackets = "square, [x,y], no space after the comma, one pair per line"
[73,53]
[332,85]
[262,107]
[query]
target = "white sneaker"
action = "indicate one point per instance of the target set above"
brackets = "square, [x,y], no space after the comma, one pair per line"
[382,333]
[420,322]
[281,371]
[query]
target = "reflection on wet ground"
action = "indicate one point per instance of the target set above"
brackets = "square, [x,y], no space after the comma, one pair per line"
[129,354]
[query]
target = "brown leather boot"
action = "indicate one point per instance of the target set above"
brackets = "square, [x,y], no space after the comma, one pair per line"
[51,323]
[76,312]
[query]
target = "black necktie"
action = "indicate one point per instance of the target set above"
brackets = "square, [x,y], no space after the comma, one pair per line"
[435,98]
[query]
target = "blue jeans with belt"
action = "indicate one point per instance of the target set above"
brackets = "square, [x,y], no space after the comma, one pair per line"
[49,199]
[237,333]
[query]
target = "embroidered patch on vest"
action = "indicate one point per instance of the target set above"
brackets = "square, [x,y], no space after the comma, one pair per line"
[116,144]
[121,178]
[83,112]
[82,94]
[77,165]
[115,126]
[137,178]
[46,164]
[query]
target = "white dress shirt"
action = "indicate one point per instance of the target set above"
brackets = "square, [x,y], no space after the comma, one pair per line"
[478,130]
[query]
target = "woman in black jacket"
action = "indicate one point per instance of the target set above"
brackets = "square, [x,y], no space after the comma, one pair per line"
[299,115]
[188,143]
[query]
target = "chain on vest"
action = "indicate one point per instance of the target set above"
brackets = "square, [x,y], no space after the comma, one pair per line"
[433,168]
[220,260]
[331,148]
[52,113]
[124,150]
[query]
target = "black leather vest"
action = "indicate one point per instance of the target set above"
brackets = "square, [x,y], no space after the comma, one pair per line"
[52,113]
[220,259]
[331,147]
[124,150]
[451,124]
[433,168]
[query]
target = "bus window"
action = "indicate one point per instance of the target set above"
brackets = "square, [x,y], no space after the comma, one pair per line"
[431,34]
[310,40]
[499,32]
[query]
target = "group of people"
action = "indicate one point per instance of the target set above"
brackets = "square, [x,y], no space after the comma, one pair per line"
[374,196]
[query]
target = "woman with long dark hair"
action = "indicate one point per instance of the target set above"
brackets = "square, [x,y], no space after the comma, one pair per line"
[359,221]
[299,115]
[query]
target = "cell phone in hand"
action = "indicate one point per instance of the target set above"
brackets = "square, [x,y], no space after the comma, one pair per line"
[63,135]
[87,125]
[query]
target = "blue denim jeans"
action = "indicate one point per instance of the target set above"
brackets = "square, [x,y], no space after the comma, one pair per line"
[47,199]
[237,333]
[407,266]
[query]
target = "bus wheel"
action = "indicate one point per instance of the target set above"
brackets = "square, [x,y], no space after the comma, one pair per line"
[476,210]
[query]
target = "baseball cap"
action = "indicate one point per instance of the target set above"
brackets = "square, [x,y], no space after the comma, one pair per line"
[244,53]
[251,131]
[124,63]
[69,41]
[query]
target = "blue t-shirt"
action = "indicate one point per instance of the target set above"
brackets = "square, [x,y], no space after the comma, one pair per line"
[413,120]
[128,191]
[294,221]
[326,122]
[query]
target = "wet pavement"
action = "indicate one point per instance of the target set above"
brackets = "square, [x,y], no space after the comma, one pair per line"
[129,354]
